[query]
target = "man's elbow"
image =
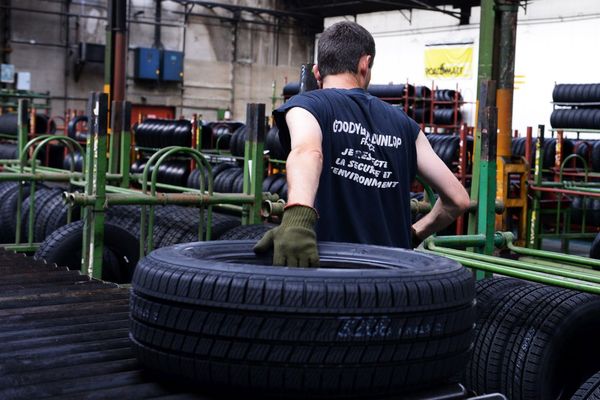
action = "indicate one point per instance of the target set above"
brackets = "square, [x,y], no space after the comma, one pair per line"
[462,203]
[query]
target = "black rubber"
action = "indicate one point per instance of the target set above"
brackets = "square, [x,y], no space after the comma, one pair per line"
[595,248]
[63,247]
[8,211]
[537,342]
[40,202]
[490,289]
[590,390]
[370,320]
[247,232]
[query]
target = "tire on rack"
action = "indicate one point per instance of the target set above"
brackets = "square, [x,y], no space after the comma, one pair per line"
[590,390]
[370,320]
[247,232]
[538,342]
[63,247]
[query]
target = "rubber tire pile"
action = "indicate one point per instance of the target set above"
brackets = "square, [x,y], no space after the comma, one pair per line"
[170,172]
[370,321]
[159,133]
[584,114]
[61,242]
[229,178]
[533,341]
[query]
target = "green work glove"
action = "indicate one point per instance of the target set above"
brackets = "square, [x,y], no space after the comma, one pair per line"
[294,242]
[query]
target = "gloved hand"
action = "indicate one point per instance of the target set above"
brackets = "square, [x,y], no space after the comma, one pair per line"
[294,242]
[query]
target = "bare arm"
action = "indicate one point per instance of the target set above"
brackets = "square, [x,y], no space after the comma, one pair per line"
[453,198]
[305,161]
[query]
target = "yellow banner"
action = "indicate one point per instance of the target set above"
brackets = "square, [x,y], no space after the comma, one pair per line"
[449,61]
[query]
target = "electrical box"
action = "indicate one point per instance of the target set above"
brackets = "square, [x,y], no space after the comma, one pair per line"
[91,52]
[147,63]
[172,66]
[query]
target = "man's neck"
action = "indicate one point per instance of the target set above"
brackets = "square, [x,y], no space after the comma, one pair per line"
[342,81]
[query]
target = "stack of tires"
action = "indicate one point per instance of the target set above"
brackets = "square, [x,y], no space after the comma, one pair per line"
[217,135]
[583,101]
[447,147]
[171,172]
[172,224]
[159,133]
[549,149]
[533,341]
[369,322]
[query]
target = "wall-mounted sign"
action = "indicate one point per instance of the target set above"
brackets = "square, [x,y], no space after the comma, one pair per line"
[7,73]
[449,61]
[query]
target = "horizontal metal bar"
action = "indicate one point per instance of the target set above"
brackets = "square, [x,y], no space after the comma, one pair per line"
[160,199]
[527,275]
[464,240]
[22,248]
[38,176]
[582,274]
[569,258]
[563,191]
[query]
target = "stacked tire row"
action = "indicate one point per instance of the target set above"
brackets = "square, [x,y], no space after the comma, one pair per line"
[171,172]
[9,124]
[230,322]
[533,341]
[549,148]
[229,178]
[447,147]
[584,100]
[159,133]
[217,135]
[172,224]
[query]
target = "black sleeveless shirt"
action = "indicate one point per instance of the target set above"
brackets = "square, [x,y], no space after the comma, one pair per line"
[369,163]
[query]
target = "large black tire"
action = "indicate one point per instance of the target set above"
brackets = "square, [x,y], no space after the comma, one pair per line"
[247,232]
[8,212]
[371,320]
[40,202]
[537,342]
[590,390]
[63,247]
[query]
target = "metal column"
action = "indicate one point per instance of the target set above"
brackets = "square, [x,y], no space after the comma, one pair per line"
[115,67]
[486,73]
[95,185]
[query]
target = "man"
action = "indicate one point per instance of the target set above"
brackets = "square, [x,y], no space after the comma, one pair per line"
[353,158]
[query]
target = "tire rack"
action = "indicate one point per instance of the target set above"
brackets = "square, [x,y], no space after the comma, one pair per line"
[558,187]
[95,199]
[475,250]
[98,194]
[16,170]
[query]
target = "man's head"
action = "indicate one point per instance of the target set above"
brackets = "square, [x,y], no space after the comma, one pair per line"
[345,47]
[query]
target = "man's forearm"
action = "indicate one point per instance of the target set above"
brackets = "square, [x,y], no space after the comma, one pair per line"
[303,169]
[440,216]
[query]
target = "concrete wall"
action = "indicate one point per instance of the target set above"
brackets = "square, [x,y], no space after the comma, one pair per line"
[556,43]
[213,79]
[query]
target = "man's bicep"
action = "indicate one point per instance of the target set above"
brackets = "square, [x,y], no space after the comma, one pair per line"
[305,131]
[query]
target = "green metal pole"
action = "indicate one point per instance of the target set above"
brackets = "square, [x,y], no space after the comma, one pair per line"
[93,238]
[126,144]
[485,73]
[23,131]
[487,178]
[534,221]
[254,161]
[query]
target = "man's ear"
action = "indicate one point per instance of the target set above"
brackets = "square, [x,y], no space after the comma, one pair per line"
[363,65]
[317,74]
